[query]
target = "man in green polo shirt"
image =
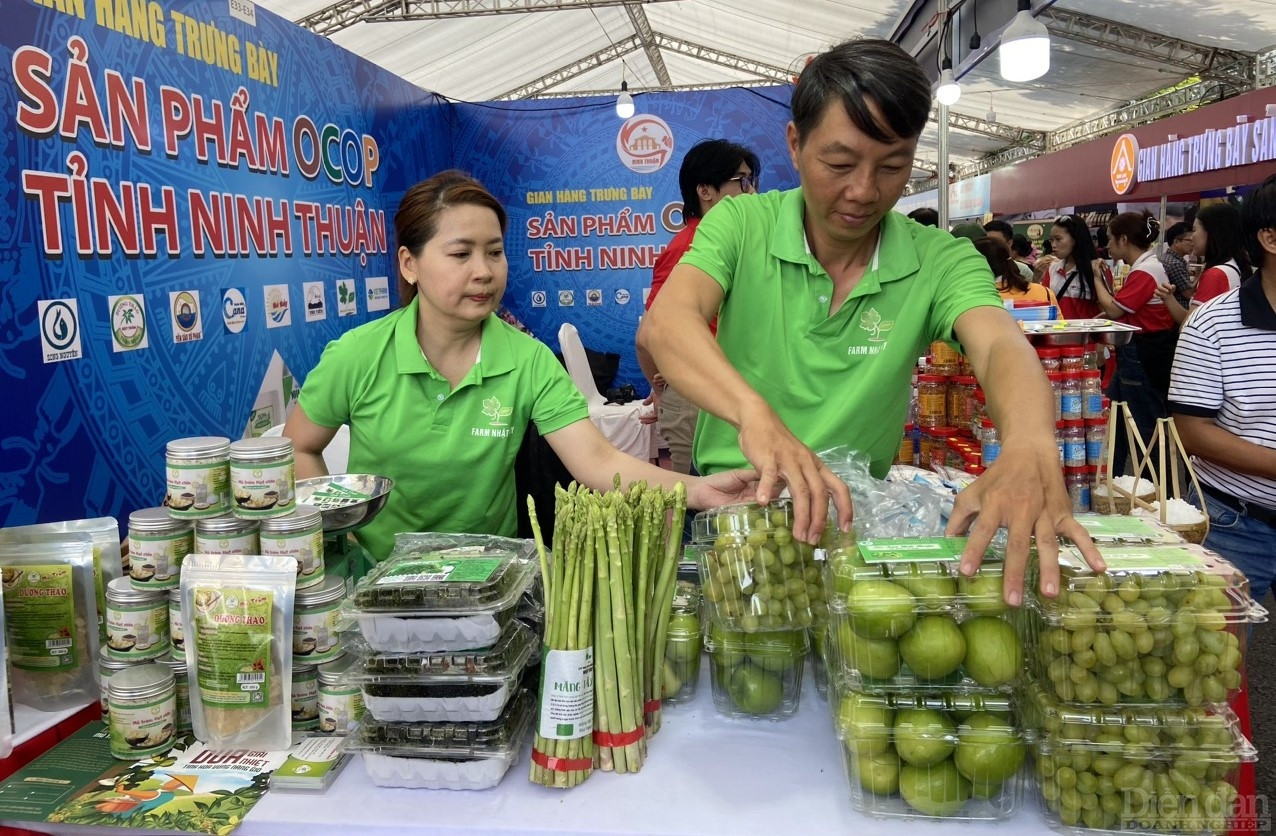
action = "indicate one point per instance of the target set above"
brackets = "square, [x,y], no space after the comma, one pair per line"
[826,298]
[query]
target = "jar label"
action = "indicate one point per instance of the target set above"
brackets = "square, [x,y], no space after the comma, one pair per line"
[232,645]
[1070,406]
[197,490]
[105,677]
[1094,452]
[339,709]
[140,730]
[1074,453]
[39,614]
[137,632]
[156,562]
[306,547]
[305,700]
[176,630]
[263,490]
[314,633]
[990,451]
[1092,405]
[238,544]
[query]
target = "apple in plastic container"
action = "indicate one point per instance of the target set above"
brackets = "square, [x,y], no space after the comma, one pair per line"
[989,750]
[923,736]
[934,648]
[754,691]
[994,654]
[865,723]
[880,609]
[938,790]
[879,773]
[873,658]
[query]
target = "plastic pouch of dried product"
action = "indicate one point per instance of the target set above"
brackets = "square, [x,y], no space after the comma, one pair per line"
[6,701]
[237,611]
[50,609]
[107,560]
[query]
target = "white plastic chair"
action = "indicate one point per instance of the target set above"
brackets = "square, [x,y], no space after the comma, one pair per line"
[336,456]
[619,423]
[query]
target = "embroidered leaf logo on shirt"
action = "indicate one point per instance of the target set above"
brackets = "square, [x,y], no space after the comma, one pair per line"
[492,409]
[871,321]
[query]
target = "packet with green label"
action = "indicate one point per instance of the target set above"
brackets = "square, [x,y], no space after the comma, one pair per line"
[51,613]
[237,613]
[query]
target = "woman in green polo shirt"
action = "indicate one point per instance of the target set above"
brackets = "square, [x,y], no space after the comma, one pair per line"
[438,394]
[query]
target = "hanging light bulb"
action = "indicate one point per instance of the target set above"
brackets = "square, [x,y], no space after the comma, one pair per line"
[624,102]
[947,92]
[1024,52]
[991,116]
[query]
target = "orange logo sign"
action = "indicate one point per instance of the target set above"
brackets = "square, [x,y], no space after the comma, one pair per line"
[1125,163]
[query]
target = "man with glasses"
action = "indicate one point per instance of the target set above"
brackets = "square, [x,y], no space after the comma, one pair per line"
[826,296]
[1178,245]
[712,171]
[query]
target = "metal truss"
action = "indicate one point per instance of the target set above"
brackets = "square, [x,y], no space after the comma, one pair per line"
[1265,69]
[672,88]
[581,65]
[770,72]
[1139,113]
[642,26]
[346,13]
[1195,59]
[1009,133]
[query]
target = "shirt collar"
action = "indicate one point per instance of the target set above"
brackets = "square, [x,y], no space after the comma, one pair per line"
[496,352]
[894,256]
[1256,311]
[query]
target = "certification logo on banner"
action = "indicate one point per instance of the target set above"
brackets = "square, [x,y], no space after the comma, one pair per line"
[566,298]
[644,143]
[539,299]
[128,322]
[60,330]
[378,294]
[278,307]
[622,296]
[347,301]
[188,322]
[234,309]
[316,304]
[594,297]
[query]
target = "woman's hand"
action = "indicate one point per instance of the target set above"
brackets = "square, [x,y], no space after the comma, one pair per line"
[730,487]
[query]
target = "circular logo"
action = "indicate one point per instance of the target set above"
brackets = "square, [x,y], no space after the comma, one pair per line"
[1035,231]
[622,297]
[185,311]
[594,296]
[128,322]
[644,143]
[234,310]
[58,325]
[538,299]
[1125,163]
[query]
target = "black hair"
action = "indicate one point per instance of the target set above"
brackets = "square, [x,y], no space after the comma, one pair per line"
[1083,251]
[859,73]
[1177,231]
[925,216]
[1020,245]
[1139,228]
[1259,213]
[1002,227]
[1222,222]
[711,162]
[1002,265]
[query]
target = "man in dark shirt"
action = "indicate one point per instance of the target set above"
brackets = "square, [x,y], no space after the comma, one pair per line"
[1178,244]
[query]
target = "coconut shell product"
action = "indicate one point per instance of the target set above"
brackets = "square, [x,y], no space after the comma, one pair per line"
[238,613]
[50,621]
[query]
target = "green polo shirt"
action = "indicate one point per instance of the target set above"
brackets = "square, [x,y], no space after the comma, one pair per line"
[839,378]
[449,451]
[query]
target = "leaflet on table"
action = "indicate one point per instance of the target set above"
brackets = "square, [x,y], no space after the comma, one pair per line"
[312,765]
[191,789]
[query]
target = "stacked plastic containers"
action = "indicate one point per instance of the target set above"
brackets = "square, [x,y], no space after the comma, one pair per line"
[924,666]
[762,593]
[442,659]
[1130,674]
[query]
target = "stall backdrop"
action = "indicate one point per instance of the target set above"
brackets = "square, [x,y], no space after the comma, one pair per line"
[189,190]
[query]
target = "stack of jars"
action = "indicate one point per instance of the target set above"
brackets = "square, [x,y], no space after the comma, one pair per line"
[1125,703]
[941,432]
[762,596]
[924,664]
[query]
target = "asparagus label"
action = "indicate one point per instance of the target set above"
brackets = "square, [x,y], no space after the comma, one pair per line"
[469,570]
[567,694]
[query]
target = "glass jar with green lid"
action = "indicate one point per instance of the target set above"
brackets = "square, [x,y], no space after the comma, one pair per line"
[227,534]
[262,477]
[300,536]
[143,708]
[157,543]
[198,476]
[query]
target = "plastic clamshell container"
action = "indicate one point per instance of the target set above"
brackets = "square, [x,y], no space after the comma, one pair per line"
[754,575]
[403,634]
[902,625]
[1119,529]
[448,574]
[445,756]
[948,757]
[756,676]
[819,662]
[683,645]
[1166,624]
[465,687]
[1118,782]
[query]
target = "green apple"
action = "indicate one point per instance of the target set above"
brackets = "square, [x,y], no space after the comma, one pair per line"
[984,593]
[988,749]
[934,648]
[994,655]
[938,790]
[879,774]
[873,658]
[672,683]
[864,723]
[984,790]
[728,646]
[754,691]
[931,590]
[775,651]
[923,736]
[880,609]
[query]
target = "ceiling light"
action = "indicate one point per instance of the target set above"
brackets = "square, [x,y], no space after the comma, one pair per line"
[1025,46]
[947,92]
[624,102]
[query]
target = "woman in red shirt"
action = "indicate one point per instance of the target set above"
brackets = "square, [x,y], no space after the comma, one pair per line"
[1142,376]
[1216,238]
[1072,277]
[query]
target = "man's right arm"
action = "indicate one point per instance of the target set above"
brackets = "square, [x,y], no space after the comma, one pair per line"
[1207,440]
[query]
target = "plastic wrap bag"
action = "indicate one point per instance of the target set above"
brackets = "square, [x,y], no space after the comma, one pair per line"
[909,505]
[6,700]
